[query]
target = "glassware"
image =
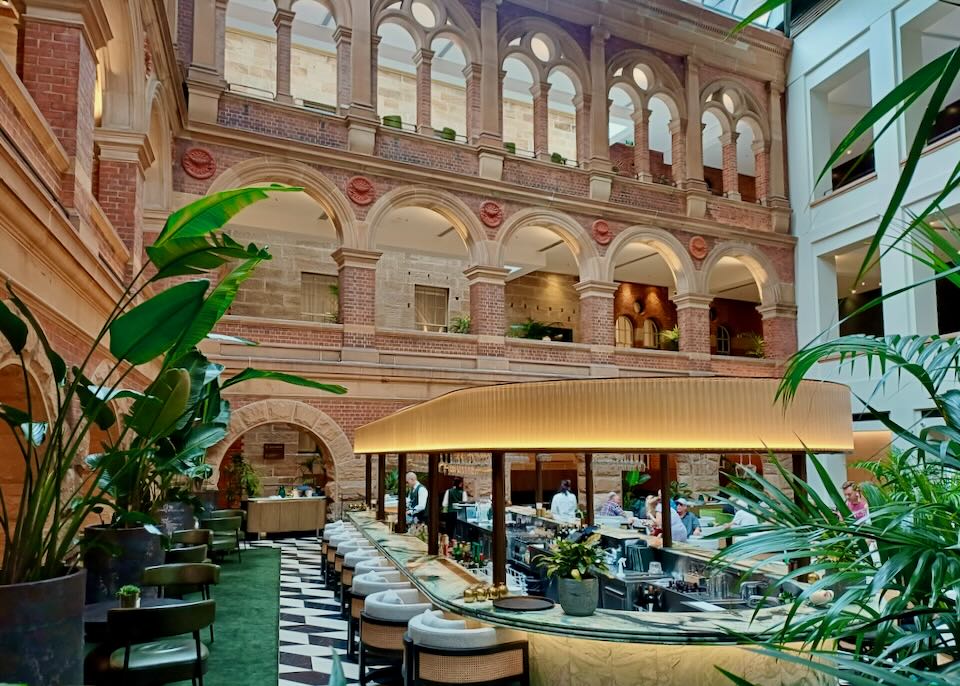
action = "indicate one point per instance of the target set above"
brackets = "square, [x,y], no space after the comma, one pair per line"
[655,568]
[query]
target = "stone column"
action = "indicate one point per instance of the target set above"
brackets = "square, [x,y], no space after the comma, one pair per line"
[487,313]
[423,60]
[283,20]
[641,144]
[597,324]
[375,73]
[693,160]
[779,331]
[362,112]
[678,153]
[123,157]
[9,33]
[776,188]
[59,70]
[342,37]
[541,119]
[472,76]
[490,129]
[583,106]
[693,318]
[219,35]
[599,137]
[357,272]
[731,175]
[205,80]
[761,166]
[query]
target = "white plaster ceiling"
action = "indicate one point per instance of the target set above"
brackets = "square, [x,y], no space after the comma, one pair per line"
[287,212]
[848,263]
[419,230]
[639,263]
[732,280]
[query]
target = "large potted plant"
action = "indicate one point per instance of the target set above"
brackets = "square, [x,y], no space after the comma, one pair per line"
[242,481]
[575,564]
[152,331]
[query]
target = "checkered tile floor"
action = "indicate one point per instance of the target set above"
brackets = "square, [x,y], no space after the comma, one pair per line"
[310,625]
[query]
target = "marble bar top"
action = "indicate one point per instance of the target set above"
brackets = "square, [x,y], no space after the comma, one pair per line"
[443,581]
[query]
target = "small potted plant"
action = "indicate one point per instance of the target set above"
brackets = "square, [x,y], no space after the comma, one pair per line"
[129,596]
[510,148]
[448,134]
[460,324]
[575,564]
[394,121]
[670,339]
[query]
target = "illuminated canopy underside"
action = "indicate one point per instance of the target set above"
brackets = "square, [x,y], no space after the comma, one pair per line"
[648,415]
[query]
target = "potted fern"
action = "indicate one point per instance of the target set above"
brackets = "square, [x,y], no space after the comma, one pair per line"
[575,565]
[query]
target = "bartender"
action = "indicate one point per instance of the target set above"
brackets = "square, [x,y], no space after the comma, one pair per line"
[454,495]
[416,500]
[564,503]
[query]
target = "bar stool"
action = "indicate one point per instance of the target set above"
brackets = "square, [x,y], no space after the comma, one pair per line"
[364,585]
[346,574]
[452,650]
[329,531]
[331,558]
[383,624]
[373,564]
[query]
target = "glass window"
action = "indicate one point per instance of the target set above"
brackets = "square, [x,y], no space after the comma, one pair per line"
[651,333]
[723,340]
[624,332]
[319,297]
[430,304]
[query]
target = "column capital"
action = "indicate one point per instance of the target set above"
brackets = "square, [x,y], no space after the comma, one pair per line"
[581,100]
[124,146]
[760,146]
[641,116]
[355,257]
[537,89]
[283,17]
[775,87]
[599,34]
[342,33]
[777,311]
[593,288]
[423,56]
[479,273]
[694,61]
[729,138]
[88,15]
[677,125]
[472,70]
[696,301]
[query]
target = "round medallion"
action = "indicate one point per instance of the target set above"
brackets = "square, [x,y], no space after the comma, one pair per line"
[360,190]
[601,232]
[198,163]
[491,213]
[698,247]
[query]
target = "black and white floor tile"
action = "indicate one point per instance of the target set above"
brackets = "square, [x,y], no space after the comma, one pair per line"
[310,625]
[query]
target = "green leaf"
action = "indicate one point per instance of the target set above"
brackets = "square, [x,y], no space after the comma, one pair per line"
[57,365]
[211,212]
[224,338]
[156,415]
[762,9]
[13,329]
[250,374]
[13,416]
[187,256]
[155,326]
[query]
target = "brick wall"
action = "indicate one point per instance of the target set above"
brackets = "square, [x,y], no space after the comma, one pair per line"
[656,305]
[266,118]
[26,143]
[119,191]
[740,318]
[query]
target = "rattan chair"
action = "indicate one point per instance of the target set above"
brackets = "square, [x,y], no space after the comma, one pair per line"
[332,529]
[346,574]
[191,553]
[364,585]
[331,559]
[177,580]
[383,624]
[451,650]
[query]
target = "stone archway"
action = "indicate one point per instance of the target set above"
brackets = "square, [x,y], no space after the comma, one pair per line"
[348,475]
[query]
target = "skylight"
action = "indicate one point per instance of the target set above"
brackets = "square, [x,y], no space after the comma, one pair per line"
[739,9]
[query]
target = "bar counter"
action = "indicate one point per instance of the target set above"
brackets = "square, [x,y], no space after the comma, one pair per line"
[617,647]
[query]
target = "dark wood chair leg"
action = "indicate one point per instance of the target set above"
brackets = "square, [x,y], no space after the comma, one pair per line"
[362,666]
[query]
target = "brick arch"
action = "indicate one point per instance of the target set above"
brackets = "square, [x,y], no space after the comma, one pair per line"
[295,413]
[665,244]
[464,220]
[772,290]
[566,227]
[283,170]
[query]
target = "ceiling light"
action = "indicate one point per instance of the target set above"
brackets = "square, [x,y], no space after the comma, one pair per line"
[853,290]
[863,283]
[849,152]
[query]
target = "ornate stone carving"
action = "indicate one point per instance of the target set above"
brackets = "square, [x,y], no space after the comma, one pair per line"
[601,232]
[199,163]
[361,190]
[147,58]
[491,213]
[698,247]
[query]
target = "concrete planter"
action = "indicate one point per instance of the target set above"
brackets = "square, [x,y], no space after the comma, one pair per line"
[578,598]
[117,557]
[41,631]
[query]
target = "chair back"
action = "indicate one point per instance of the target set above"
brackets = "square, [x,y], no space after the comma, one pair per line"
[220,514]
[192,537]
[222,524]
[193,553]
[140,624]
[181,574]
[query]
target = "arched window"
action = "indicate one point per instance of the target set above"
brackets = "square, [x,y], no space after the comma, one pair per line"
[624,332]
[517,109]
[448,90]
[396,77]
[723,340]
[250,45]
[562,115]
[313,57]
[651,333]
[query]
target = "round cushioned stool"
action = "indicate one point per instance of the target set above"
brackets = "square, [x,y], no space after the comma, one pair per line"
[363,585]
[332,545]
[383,624]
[346,574]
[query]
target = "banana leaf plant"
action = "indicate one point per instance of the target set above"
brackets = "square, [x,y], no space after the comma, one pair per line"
[166,424]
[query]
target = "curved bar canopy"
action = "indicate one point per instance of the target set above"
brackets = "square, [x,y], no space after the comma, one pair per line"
[646,415]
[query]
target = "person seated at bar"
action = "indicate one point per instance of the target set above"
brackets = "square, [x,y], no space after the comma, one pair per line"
[743,517]
[690,521]
[454,495]
[654,521]
[416,500]
[612,507]
[564,503]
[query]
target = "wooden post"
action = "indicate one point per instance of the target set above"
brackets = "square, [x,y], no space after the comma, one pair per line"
[538,470]
[368,474]
[401,527]
[799,468]
[665,515]
[499,552]
[433,504]
[588,476]
[381,486]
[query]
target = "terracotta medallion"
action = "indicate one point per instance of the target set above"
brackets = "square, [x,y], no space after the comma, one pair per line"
[199,163]
[360,190]
[491,213]
[601,232]
[698,247]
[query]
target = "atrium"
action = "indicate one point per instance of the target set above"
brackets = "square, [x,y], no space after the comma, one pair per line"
[435,342]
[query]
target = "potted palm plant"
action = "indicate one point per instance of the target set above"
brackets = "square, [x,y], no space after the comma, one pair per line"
[152,330]
[670,338]
[575,565]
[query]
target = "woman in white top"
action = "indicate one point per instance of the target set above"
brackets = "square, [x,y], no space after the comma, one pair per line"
[564,503]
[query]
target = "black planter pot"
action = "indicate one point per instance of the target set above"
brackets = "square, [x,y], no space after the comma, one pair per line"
[175,516]
[41,631]
[117,557]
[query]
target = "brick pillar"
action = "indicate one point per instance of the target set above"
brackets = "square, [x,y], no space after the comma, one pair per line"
[641,144]
[123,158]
[357,272]
[693,318]
[779,331]
[472,76]
[342,38]
[487,317]
[59,69]
[184,42]
[582,122]
[283,20]
[731,176]
[541,119]
[678,153]
[424,63]
[597,324]
[761,157]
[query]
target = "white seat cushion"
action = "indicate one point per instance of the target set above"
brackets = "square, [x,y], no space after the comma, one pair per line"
[434,619]
[397,605]
[458,639]
[378,563]
[371,582]
[354,556]
[351,545]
